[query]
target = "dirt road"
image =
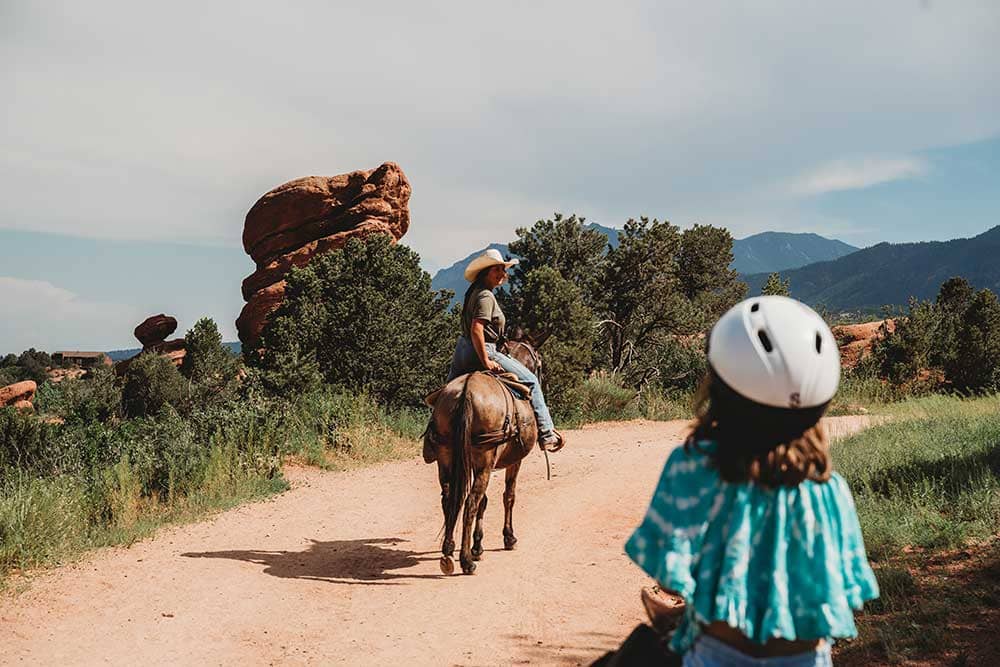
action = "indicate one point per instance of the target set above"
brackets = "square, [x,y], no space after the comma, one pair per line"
[343,569]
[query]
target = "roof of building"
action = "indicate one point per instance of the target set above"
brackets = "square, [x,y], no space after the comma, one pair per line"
[78,354]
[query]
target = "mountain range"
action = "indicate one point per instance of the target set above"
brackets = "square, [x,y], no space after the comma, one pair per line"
[767,252]
[890,273]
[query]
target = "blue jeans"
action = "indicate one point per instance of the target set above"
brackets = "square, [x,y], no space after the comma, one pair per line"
[465,360]
[710,652]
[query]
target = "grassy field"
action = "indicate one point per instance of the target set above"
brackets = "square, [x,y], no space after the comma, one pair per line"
[927,489]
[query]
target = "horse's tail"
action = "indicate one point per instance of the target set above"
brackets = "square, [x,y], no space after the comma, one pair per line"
[461,460]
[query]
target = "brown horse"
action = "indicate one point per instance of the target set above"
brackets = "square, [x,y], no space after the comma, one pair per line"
[477,426]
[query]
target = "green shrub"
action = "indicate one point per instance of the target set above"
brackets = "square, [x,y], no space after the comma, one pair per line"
[364,317]
[210,368]
[27,442]
[152,382]
[94,397]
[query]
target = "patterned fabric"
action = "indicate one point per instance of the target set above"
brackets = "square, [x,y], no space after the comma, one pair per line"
[710,652]
[784,562]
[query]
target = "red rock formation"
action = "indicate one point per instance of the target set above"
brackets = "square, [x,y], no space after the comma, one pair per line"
[155,329]
[856,340]
[18,394]
[307,217]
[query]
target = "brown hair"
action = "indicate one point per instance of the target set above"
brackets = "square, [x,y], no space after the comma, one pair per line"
[759,443]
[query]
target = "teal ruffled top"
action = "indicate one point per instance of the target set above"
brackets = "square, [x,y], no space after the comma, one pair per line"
[786,562]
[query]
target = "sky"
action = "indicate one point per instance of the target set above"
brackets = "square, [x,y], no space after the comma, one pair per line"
[135,137]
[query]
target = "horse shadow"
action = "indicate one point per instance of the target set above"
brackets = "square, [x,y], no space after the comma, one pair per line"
[351,562]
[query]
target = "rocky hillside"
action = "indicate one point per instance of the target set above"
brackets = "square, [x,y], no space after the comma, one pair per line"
[890,273]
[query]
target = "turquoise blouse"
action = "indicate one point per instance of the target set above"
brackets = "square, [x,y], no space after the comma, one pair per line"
[786,562]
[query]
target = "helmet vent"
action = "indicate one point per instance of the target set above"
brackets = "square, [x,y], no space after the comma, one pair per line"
[819,343]
[765,340]
[755,307]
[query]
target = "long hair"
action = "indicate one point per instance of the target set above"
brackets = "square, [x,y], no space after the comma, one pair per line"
[759,443]
[476,285]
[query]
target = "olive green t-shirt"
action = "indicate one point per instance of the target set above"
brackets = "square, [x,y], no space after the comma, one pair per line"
[481,304]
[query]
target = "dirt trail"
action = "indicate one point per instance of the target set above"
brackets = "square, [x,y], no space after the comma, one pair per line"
[343,569]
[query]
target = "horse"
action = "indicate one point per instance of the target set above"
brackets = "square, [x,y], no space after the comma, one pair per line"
[477,426]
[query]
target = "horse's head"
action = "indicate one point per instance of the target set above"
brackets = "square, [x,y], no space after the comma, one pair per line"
[523,347]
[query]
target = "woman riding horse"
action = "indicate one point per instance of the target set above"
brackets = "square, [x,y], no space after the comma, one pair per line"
[483,328]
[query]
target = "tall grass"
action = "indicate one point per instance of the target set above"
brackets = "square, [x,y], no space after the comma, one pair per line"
[602,397]
[929,477]
[67,488]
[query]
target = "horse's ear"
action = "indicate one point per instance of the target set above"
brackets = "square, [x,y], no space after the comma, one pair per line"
[538,339]
[518,334]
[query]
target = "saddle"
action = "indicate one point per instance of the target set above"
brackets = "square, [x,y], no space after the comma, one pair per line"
[519,391]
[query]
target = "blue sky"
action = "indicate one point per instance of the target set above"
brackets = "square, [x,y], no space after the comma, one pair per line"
[135,138]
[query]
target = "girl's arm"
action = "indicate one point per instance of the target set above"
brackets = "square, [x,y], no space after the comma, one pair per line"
[479,344]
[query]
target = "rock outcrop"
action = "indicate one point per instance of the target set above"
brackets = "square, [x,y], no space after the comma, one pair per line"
[19,395]
[856,340]
[301,219]
[154,330]
[152,333]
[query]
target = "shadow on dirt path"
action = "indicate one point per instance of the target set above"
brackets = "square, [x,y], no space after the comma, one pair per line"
[366,561]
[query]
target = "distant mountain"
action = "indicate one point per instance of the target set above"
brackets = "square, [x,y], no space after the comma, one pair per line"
[890,273]
[768,251]
[779,251]
[118,355]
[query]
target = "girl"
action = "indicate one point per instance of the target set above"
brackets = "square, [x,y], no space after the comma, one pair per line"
[749,523]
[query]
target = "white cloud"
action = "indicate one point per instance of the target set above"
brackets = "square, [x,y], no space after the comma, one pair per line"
[41,315]
[856,174]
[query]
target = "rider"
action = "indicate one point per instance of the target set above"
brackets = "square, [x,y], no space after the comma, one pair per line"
[483,328]
[749,524]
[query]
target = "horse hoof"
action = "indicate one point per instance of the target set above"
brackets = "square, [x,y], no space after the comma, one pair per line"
[477,555]
[468,568]
[510,544]
[447,565]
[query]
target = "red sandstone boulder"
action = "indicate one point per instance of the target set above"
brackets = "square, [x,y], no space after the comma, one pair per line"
[18,393]
[310,216]
[155,329]
[254,315]
[856,340]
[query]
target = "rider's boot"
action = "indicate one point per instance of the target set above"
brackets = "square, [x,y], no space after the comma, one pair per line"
[552,440]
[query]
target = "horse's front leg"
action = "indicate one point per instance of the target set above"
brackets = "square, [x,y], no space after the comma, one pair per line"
[510,482]
[472,503]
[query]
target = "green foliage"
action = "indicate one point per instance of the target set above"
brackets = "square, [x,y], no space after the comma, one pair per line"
[953,341]
[211,370]
[680,364]
[603,397]
[659,282]
[775,286]
[152,382]
[31,364]
[975,366]
[565,245]
[904,353]
[366,319]
[554,312]
[94,397]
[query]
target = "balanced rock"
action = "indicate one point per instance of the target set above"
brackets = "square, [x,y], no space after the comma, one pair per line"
[307,217]
[155,329]
[18,394]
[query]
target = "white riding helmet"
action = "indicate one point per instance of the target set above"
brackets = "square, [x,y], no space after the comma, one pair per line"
[776,351]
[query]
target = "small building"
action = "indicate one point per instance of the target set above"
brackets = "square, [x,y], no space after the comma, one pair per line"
[81,359]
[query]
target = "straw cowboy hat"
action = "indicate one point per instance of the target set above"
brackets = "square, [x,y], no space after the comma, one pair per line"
[491,257]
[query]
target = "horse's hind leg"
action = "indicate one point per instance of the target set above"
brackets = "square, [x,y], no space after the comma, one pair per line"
[476,495]
[477,535]
[448,544]
[510,482]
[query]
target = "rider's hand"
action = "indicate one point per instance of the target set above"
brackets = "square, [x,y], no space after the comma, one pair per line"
[493,366]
